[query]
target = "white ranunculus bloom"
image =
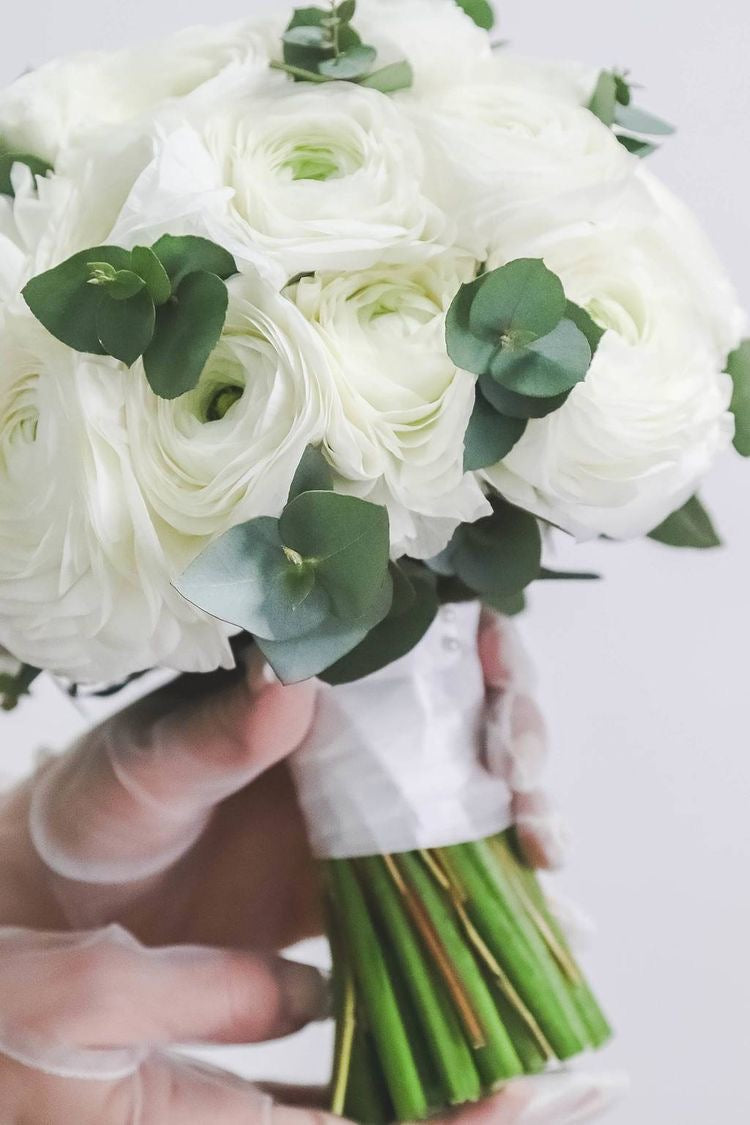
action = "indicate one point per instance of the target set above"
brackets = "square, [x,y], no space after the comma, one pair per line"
[523,159]
[227,451]
[634,440]
[396,434]
[328,176]
[84,581]
[49,108]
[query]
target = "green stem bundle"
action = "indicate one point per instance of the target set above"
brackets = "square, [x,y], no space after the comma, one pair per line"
[451,977]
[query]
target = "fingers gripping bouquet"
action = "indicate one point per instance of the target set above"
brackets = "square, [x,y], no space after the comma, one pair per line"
[308,329]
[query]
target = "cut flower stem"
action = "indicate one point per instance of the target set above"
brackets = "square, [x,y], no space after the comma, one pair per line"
[451,977]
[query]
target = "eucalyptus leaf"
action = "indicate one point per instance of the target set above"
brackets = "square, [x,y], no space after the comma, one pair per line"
[500,555]
[395,636]
[346,540]
[603,102]
[183,254]
[639,121]
[489,436]
[480,11]
[346,10]
[636,146]
[520,299]
[389,79]
[313,474]
[147,265]
[308,35]
[355,63]
[738,366]
[126,328]
[188,328]
[518,406]
[246,578]
[311,654]
[586,324]
[509,606]
[308,17]
[467,351]
[64,302]
[549,366]
[35,164]
[690,526]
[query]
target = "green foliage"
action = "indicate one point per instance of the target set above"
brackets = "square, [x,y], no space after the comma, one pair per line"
[320,45]
[490,435]
[691,526]
[480,11]
[310,585]
[8,158]
[14,687]
[188,329]
[738,366]
[612,103]
[313,474]
[496,557]
[407,622]
[166,302]
[514,328]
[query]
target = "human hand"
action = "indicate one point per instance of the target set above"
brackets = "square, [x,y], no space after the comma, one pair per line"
[160,821]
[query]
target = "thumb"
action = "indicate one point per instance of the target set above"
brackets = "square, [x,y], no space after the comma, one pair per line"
[135,793]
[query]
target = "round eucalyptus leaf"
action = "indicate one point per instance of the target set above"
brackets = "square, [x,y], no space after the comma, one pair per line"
[549,366]
[354,63]
[500,555]
[389,79]
[346,540]
[489,436]
[184,254]
[188,328]
[312,653]
[468,351]
[125,327]
[244,577]
[147,265]
[313,474]
[522,299]
[738,366]
[308,35]
[480,11]
[64,302]
[518,406]
[690,526]
[397,634]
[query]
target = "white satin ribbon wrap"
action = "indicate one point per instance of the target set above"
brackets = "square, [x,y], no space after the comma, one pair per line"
[394,761]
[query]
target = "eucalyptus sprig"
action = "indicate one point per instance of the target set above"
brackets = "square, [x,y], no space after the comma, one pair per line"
[9,157]
[529,345]
[320,45]
[166,303]
[612,103]
[310,585]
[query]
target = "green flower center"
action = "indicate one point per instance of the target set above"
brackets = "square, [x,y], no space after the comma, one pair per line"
[222,402]
[312,162]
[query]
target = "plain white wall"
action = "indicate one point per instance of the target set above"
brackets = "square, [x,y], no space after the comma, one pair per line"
[644,676]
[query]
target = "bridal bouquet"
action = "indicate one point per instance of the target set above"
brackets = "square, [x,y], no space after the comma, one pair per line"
[310,328]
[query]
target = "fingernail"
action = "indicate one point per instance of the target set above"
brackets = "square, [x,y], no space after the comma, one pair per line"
[306,992]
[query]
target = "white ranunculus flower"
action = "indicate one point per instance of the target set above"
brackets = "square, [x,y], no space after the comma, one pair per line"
[50,108]
[84,581]
[524,159]
[442,44]
[326,176]
[396,434]
[633,441]
[227,451]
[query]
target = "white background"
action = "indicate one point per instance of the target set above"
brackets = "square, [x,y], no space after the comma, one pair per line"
[644,676]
